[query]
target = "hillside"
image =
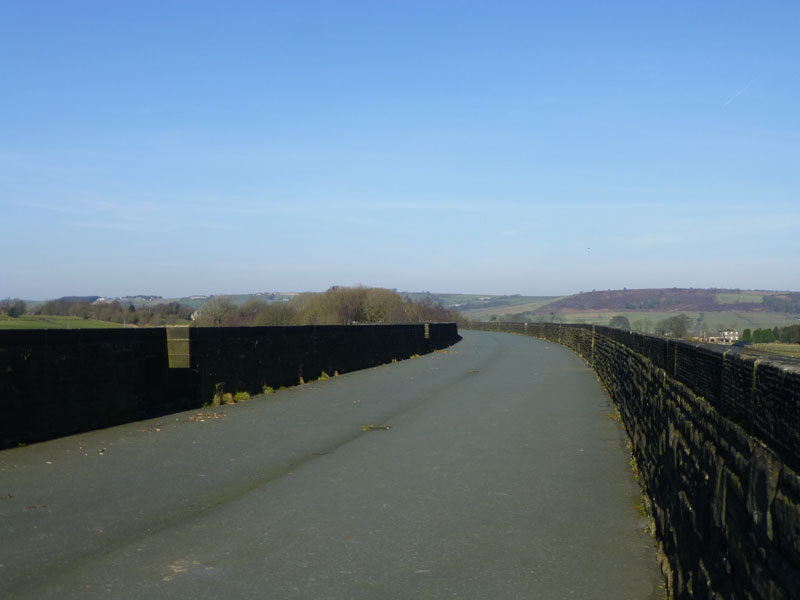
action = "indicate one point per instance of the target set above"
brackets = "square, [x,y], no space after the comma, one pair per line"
[479,307]
[708,309]
[54,322]
[711,307]
[198,300]
[661,300]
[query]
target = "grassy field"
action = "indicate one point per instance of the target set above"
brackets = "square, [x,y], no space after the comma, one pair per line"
[714,321]
[739,297]
[638,320]
[709,322]
[644,320]
[792,350]
[237,299]
[51,322]
[521,304]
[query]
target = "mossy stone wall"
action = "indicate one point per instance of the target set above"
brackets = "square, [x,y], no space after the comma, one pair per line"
[716,436]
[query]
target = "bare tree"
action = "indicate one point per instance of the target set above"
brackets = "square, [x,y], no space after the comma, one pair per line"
[676,326]
[13,307]
[216,310]
[620,322]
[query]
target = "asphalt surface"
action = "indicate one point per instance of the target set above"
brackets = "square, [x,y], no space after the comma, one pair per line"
[501,476]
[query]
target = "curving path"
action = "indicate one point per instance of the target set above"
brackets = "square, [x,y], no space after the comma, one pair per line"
[502,477]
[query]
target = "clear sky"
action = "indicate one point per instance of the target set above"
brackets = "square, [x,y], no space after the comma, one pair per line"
[178,148]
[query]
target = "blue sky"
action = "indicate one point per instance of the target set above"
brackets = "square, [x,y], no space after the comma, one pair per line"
[178,148]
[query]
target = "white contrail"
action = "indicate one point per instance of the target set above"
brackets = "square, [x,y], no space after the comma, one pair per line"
[737,94]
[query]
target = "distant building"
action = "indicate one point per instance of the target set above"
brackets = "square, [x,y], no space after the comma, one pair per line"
[724,336]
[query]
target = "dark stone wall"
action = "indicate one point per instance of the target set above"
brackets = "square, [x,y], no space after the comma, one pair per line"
[716,437]
[59,382]
[55,382]
[235,359]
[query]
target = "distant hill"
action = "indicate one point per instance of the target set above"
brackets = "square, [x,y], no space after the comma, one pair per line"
[197,300]
[482,306]
[709,309]
[88,299]
[663,300]
[594,306]
[660,300]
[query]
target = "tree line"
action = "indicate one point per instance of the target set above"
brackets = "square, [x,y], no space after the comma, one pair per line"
[157,315]
[787,335]
[674,326]
[13,307]
[788,303]
[336,306]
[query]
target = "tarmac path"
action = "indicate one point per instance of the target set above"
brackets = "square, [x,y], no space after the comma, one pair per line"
[501,476]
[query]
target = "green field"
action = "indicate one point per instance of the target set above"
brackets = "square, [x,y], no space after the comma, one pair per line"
[52,322]
[640,320]
[792,350]
[237,299]
[510,306]
[645,321]
[735,298]
[713,321]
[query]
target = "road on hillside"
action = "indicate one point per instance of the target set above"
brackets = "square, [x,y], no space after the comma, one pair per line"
[495,472]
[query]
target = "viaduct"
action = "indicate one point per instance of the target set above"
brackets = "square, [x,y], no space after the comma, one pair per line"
[716,437]
[715,433]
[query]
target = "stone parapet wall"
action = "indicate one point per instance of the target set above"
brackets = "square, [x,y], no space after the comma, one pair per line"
[58,382]
[716,437]
[249,358]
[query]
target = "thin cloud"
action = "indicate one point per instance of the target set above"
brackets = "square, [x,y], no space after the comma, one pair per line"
[15,157]
[655,190]
[338,208]
[722,229]
[209,225]
[51,207]
[654,240]
[327,212]
[737,94]
[115,226]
